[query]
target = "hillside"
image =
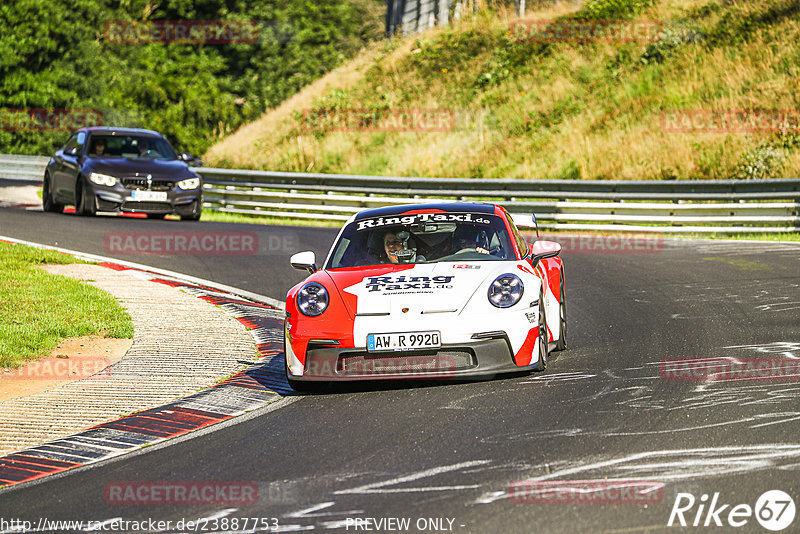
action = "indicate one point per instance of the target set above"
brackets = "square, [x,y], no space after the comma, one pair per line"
[519,107]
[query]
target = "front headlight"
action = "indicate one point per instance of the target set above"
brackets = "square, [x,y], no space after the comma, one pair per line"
[189,183]
[312,299]
[506,290]
[102,179]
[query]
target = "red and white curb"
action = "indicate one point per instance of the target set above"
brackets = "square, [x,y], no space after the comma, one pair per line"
[259,385]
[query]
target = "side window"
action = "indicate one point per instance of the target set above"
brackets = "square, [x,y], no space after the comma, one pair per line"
[521,244]
[76,140]
[73,141]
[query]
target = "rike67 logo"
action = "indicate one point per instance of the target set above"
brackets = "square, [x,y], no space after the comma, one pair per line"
[774,510]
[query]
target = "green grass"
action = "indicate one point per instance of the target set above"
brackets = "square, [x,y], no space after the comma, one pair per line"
[220,216]
[38,309]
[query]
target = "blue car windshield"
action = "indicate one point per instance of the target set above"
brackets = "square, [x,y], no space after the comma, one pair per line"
[130,146]
[422,238]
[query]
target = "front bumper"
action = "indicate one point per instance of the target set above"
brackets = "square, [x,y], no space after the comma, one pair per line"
[118,198]
[479,358]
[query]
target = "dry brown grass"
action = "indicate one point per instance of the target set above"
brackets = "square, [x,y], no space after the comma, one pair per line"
[611,129]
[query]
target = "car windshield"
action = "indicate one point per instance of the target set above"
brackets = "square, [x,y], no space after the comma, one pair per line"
[130,146]
[422,238]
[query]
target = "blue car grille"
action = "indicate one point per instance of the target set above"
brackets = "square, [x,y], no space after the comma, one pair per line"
[141,183]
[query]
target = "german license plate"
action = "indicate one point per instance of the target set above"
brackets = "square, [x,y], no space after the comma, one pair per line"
[158,196]
[403,341]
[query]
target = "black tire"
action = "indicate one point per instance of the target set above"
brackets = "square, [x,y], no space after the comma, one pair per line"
[197,211]
[562,318]
[307,387]
[82,205]
[543,352]
[48,204]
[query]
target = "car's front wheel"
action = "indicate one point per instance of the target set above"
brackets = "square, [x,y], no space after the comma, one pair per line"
[48,202]
[197,211]
[84,203]
[307,387]
[543,353]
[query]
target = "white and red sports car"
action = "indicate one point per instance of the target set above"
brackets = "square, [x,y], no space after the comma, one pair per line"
[436,291]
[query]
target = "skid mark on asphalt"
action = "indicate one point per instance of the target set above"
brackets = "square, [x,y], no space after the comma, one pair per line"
[644,388]
[672,465]
[381,487]
[762,295]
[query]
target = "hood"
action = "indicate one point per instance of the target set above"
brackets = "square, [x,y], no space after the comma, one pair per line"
[130,166]
[424,288]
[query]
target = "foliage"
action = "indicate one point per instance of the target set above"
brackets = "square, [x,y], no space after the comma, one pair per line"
[764,161]
[612,9]
[58,56]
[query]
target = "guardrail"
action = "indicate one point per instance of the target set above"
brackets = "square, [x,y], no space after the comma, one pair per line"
[698,206]
[723,206]
[28,168]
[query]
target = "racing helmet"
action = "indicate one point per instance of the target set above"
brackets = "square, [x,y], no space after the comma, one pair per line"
[469,236]
[407,251]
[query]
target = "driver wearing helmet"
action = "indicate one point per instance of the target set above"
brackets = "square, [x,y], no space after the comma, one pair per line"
[468,238]
[400,247]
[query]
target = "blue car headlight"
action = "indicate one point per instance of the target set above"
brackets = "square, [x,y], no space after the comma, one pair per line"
[506,290]
[312,299]
[102,179]
[189,183]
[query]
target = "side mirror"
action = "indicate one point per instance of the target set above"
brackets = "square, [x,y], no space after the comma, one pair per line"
[304,261]
[525,220]
[544,249]
[73,151]
[189,158]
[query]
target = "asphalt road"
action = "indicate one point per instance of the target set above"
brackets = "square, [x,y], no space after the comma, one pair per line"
[444,455]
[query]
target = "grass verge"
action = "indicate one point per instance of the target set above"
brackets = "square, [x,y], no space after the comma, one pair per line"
[221,216]
[38,309]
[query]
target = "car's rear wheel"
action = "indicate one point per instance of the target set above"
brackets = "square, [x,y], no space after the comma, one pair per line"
[84,204]
[543,353]
[562,312]
[48,203]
